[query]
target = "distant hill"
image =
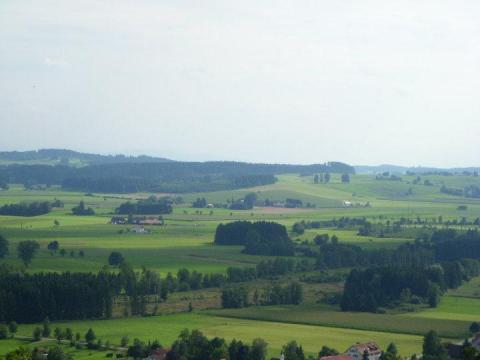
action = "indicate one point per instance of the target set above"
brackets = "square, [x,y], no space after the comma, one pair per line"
[71,158]
[126,174]
[375,169]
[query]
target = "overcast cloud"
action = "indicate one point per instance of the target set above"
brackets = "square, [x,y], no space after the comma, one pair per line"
[365,82]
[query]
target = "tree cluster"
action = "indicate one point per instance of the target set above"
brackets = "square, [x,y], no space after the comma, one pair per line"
[375,287]
[193,345]
[238,296]
[66,296]
[26,209]
[186,280]
[200,203]
[321,178]
[259,238]
[82,210]
[244,204]
[470,191]
[149,206]
[31,298]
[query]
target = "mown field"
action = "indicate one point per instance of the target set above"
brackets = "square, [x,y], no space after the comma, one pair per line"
[167,327]
[187,241]
[328,316]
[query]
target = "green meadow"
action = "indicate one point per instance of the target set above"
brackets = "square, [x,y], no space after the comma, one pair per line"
[323,315]
[454,308]
[167,327]
[186,240]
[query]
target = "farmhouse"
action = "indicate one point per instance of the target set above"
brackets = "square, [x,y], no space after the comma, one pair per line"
[139,230]
[150,221]
[157,354]
[118,220]
[347,203]
[371,348]
[455,351]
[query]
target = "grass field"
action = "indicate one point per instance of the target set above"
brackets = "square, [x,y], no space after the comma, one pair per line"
[82,354]
[187,241]
[470,289]
[453,308]
[166,328]
[328,316]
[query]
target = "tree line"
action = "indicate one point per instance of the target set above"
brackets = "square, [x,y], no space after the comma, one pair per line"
[186,280]
[442,245]
[470,191]
[149,206]
[159,176]
[414,273]
[26,209]
[32,297]
[66,296]
[238,296]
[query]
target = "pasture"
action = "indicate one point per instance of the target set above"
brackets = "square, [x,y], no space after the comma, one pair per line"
[453,308]
[186,240]
[324,315]
[167,327]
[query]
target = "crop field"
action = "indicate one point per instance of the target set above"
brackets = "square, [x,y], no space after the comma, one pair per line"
[186,241]
[324,315]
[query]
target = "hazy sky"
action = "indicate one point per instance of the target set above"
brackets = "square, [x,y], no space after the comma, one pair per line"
[365,82]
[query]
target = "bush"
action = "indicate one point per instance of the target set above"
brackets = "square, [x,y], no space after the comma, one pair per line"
[115,258]
[298,228]
[37,334]
[3,331]
[12,327]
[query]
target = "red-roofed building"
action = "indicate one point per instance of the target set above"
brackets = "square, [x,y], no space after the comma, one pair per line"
[158,354]
[371,348]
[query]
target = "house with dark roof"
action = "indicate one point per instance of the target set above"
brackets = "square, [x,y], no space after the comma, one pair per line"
[455,350]
[358,350]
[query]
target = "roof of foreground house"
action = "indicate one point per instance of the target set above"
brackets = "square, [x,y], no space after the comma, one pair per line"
[370,347]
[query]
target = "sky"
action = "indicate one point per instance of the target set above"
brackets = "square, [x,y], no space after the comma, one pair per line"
[300,81]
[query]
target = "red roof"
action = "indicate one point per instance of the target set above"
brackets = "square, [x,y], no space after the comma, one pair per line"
[159,354]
